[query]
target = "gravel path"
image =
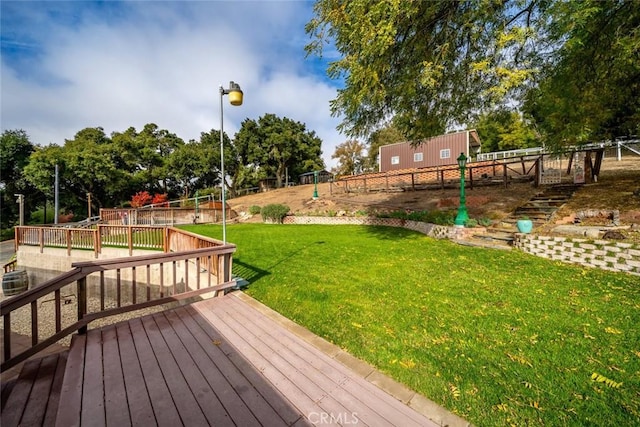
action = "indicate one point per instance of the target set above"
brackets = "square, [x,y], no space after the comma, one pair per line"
[21,318]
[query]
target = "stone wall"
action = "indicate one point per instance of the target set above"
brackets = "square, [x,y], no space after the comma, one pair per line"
[431,230]
[604,254]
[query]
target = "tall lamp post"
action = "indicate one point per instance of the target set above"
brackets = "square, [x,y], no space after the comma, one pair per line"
[235,98]
[315,185]
[462,216]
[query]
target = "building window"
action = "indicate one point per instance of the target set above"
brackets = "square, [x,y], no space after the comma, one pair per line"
[395,160]
[445,153]
[417,157]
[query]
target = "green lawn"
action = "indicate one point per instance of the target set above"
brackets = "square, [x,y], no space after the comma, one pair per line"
[497,337]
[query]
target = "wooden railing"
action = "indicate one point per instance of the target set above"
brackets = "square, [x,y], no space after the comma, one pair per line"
[109,287]
[119,236]
[190,265]
[207,213]
[10,266]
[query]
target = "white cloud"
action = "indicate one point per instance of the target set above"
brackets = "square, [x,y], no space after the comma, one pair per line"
[163,62]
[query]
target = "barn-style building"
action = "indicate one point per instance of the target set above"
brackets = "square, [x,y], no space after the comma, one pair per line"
[437,151]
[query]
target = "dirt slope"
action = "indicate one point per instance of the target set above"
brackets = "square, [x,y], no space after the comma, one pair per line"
[614,190]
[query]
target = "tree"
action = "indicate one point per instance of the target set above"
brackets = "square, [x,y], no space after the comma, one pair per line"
[504,130]
[428,64]
[275,145]
[196,165]
[592,89]
[145,155]
[435,65]
[15,149]
[350,157]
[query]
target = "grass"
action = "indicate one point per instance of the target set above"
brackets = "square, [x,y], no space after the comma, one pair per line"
[500,338]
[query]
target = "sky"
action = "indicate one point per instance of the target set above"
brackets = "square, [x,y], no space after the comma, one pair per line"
[69,65]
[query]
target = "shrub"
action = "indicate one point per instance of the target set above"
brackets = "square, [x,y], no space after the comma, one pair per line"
[274,213]
[254,209]
[471,223]
[7,234]
[433,217]
[485,222]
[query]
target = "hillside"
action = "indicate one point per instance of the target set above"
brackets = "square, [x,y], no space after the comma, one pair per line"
[614,190]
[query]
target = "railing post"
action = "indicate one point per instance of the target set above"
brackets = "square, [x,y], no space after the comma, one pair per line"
[82,302]
[96,241]
[7,337]
[130,239]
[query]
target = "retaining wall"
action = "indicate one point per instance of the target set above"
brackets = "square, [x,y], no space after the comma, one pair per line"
[604,254]
[431,230]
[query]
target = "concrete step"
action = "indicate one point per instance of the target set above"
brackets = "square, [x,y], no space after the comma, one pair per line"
[484,243]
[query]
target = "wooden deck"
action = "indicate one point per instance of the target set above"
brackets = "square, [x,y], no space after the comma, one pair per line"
[216,362]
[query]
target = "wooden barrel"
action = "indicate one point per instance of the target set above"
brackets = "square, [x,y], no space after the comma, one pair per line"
[15,282]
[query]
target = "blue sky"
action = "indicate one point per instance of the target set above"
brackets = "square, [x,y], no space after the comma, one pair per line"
[68,65]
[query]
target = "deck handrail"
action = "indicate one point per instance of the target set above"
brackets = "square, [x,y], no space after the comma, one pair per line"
[212,260]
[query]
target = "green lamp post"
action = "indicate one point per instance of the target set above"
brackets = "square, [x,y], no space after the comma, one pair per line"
[315,185]
[462,216]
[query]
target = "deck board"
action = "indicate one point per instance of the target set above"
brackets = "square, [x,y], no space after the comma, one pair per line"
[39,398]
[164,408]
[335,378]
[93,411]
[216,362]
[115,394]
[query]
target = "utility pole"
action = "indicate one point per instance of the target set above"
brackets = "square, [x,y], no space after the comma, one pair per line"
[21,206]
[89,203]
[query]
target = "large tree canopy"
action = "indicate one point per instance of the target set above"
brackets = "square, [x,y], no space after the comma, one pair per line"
[433,65]
[15,149]
[274,145]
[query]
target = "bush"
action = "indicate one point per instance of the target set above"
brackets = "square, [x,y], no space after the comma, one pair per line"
[274,213]
[7,234]
[254,209]
[471,223]
[432,217]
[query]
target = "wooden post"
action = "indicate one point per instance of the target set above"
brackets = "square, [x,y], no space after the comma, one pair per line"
[442,179]
[130,240]
[7,336]
[96,242]
[82,302]
[364,184]
[570,162]
[471,178]
[505,176]
[413,182]
[68,237]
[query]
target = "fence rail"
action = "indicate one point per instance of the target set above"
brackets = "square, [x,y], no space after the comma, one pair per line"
[478,173]
[109,287]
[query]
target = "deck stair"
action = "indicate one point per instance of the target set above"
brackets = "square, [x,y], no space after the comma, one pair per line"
[491,239]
